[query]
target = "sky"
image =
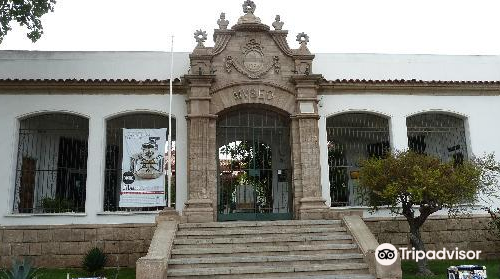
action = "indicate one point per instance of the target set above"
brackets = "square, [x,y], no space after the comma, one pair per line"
[334,26]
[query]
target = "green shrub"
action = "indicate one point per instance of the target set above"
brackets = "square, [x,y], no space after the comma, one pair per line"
[94,260]
[21,270]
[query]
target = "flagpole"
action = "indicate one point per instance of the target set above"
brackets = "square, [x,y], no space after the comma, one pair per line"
[169,171]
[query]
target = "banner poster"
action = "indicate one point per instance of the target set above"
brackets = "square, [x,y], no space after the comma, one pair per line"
[143,171]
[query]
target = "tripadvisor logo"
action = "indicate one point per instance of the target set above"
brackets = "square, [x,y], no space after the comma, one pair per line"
[387,254]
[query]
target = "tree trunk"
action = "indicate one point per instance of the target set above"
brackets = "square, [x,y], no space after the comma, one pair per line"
[418,244]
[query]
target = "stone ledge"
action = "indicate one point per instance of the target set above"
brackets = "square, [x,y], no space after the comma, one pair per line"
[75,226]
[432,217]
[154,264]
[127,213]
[368,244]
[29,215]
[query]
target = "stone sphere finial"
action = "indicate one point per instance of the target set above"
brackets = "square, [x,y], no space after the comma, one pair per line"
[278,24]
[248,7]
[222,21]
[200,36]
[302,38]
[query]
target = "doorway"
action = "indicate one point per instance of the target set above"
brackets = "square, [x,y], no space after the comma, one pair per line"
[254,165]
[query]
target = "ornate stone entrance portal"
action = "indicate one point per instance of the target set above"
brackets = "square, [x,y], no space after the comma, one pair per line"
[251,71]
[253,154]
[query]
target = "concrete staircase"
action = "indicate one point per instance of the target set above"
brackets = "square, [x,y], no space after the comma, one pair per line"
[309,249]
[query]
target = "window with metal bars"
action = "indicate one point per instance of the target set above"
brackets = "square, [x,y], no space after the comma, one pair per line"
[51,170]
[351,138]
[438,134]
[114,155]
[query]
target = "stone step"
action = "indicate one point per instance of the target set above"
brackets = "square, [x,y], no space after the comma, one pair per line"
[280,271]
[334,237]
[312,249]
[266,264]
[262,231]
[232,250]
[349,276]
[260,244]
[264,260]
[301,275]
[237,224]
[244,236]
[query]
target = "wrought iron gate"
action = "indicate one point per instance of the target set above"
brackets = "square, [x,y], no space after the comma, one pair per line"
[254,173]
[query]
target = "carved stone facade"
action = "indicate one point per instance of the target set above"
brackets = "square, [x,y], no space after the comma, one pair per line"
[252,65]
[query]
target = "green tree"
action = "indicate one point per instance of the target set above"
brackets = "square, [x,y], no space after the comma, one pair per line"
[418,185]
[26,13]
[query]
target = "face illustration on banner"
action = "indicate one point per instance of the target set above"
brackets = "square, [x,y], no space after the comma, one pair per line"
[148,163]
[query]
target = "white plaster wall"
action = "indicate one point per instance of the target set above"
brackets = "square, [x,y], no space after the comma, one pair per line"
[480,112]
[97,108]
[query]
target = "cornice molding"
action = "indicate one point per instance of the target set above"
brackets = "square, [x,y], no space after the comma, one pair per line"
[337,87]
[88,86]
[410,87]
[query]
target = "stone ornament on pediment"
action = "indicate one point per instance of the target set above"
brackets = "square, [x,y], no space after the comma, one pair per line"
[249,7]
[254,64]
[249,10]
[222,22]
[200,36]
[278,24]
[302,38]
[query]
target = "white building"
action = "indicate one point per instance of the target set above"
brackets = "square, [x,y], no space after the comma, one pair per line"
[100,86]
[62,115]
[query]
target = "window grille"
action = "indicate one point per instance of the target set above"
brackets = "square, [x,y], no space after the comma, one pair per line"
[438,134]
[351,138]
[114,152]
[51,170]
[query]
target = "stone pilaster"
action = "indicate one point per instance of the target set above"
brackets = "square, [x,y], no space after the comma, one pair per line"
[312,204]
[202,169]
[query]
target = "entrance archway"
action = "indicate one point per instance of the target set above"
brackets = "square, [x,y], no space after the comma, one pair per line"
[254,165]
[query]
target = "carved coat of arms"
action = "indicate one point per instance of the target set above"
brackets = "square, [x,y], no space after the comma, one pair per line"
[254,64]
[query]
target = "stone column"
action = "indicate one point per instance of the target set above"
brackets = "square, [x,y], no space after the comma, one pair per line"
[312,204]
[202,170]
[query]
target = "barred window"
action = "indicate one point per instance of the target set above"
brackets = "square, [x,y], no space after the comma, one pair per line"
[51,170]
[438,134]
[114,155]
[351,138]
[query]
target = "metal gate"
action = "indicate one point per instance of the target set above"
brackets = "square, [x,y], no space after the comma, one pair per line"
[254,173]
